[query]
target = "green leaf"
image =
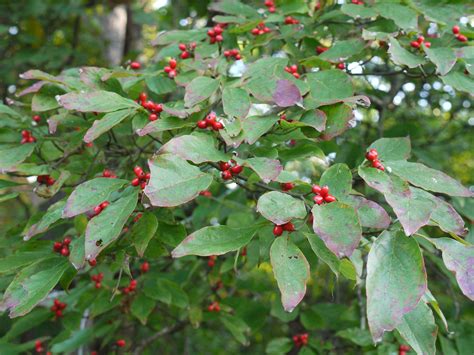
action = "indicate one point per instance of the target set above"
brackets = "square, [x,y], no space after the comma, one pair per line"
[8,111]
[9,196]
[106,227]
[52,215]
[339,180]
[90,194]
[198,148]
[215,240]
[160,85]
[429,179]
[459,259]
[234,7]
[291,271]
[45,99]
[267,169]
[444,58]
[342,50]
[337,224]
[236,326]
[418,328]
[280,208]
[256,126]
[323,253]
[279,346]
[166,291]
[392,148]
[96,101]
[164,124]
[337,122]
[328,87]
[174,181]
[169,37]
[26,255]
[396,281]
[77,255]
[106,123]
[358,11]
[142,232]
[142,306]
[27,322]
[199,89]
[10,157]
[402,15]
[401,56]
[358,336]
[31,285]
[81,337]
[5,184]
[371,214]
[413,213]
[236,102]
[314,118]
[459,81]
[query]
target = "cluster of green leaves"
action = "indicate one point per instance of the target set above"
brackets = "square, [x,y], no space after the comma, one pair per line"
[91,121]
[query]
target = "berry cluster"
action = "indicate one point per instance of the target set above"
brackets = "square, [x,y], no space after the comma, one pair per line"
[419,41]
[291,21]
[270,4]
[137,217]
[260,29]
[211,260]
[321,49]
[187,51]
[58,308]
[293,70]
[108,174]
[372,156]
[232,53]
[145,267]
[131,287]
[99,208]
[457,33]
[45,180]
[135,65]
[300,339]
[357,2]
[278,229]
[215,33]
[27,137]
[230,169]
[98,279]
[322,195]
[287,186]
[403,349]
[214,307]
[121,343]
[210,122]
[170,69]
[141,177]
[36,118]
[152,107]
[62,247]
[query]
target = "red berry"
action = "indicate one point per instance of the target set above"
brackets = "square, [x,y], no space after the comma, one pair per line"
[133,283]
[185,55]
[404,347]
[456,29]
[329,198]
[255,31]
[65,251]
[172,74]
[324,191]
[224,166]
[98,285]
[135,182]
[219,38]
[36,118]
[277,231]
[316,189]
[138,171]
[57,246]
[143,185]
[226,175]
[107,173]
[152,117]
[172,63]
[97,209]
[427,44]
[182,47]
[341,66]
[135,65]
[420,39]
[59,313]
[202,124]
[415,44]
[92,262]
[371,154]
[121,343]
[461,38]
[320,49]
[287,186]
[147,176]
[217,125]
[289,227]
[67,241]
[145,267]
[237,169]
[104,204]
[318,199]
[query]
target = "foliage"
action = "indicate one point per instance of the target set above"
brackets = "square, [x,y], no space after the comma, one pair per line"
[164,183]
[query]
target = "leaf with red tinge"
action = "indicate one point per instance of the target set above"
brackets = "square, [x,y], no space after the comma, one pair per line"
[174,181]
[52,215]
[280,208]
[337,120]
[291,270]
[371,214]
[337,224]
[215,240]
[96,101]
[286,94]
[199,89]
[106,227]
[198,148]
[458,258]
[267,169]
[314,118]
[396,281]
[105,124]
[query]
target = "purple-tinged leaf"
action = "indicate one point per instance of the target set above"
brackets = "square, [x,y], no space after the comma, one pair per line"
[215,240]
[338,120]
[371,214]
[105,124]
[199,89]
[96,101]
[396,281]
[267,169]
[52,215]
[32,89]
[280,208]
[198,148]
[337,224]
[428,179]
[178,110]
[174,181]
[444,58]
[291,270]
[106,227]
[314,118]
[413,213]
[90,194]
[286,94]
[459,259]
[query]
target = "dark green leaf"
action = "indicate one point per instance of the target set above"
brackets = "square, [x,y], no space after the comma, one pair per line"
[280,208]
